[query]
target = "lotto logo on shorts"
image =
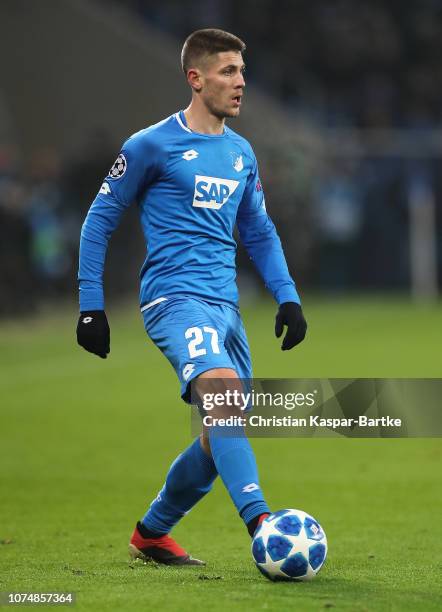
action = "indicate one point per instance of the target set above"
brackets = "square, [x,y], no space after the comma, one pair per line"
[212,192]
[188,370]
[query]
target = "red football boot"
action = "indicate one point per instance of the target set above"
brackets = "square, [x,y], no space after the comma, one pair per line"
[161,550]
[255,523]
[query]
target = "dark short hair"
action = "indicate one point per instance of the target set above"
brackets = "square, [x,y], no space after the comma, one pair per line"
[203,43]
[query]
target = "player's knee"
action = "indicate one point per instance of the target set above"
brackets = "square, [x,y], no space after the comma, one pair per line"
[220,391]
[218,381]
[211,376]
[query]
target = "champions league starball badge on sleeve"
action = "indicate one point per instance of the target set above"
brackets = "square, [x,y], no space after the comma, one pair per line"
[118,168]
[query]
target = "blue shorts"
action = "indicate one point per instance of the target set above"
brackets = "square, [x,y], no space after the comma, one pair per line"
[197,336]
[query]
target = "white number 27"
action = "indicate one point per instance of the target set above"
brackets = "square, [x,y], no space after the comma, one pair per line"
[196,337]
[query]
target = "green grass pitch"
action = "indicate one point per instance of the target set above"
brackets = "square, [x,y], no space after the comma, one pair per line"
[85,445]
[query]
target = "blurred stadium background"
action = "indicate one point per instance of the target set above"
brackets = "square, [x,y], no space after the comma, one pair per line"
[343,108]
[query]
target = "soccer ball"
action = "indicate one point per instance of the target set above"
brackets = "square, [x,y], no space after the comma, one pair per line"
[289,545]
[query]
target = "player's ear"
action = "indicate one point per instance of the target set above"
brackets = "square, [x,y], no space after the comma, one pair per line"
[194,78]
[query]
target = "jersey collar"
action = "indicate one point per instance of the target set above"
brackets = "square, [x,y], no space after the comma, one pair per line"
[181,119]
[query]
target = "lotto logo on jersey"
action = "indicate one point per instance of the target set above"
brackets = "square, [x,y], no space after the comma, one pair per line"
[212,192]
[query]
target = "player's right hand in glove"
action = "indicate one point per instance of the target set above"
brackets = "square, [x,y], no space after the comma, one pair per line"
[93,332]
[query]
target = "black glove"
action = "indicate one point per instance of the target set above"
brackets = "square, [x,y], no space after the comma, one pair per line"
[290,314]
[93,332]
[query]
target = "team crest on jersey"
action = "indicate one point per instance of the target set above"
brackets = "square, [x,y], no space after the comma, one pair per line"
[119,167]
[237,162]
[212,192]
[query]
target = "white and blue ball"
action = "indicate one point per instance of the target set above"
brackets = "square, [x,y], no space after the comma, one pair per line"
[289,545]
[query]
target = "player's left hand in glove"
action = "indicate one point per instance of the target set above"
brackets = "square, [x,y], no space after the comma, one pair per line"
[93,332]
[290,314]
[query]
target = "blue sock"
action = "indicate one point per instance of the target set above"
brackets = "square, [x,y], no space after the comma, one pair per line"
[190,477]
[235,462]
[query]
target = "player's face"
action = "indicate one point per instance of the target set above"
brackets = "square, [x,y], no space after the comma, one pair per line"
[223,84]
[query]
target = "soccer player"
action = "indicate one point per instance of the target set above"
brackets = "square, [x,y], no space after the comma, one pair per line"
[193,179]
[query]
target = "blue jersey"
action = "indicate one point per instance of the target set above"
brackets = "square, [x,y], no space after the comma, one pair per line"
[191,190]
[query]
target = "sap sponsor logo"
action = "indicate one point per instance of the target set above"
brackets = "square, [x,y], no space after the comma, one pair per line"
[212,192]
